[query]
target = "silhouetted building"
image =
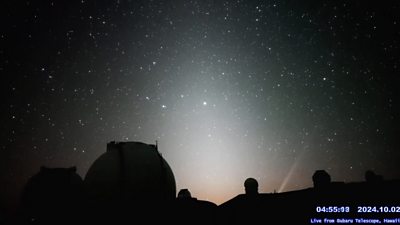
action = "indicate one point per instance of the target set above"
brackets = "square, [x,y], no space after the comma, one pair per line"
[52,196]
[132,183]
[371,177]
[299,207]
[189,210]
[131,178]
[184,194]
[321,179]
[251,186]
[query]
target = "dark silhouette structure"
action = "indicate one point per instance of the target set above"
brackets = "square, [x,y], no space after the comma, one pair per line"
[52,196]
[251,186]
[371,177]
[184,194]
[189,210]
[302,206]
[131,183]
[321,179]
[128,182]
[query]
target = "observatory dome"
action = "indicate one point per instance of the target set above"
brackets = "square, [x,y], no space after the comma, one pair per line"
[130,172]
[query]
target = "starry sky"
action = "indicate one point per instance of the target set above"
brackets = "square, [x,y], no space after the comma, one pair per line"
[230,89]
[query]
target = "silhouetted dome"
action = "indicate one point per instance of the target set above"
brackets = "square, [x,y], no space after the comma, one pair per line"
[130,172]
[251,186]
[371,177]
[321,179]
[184,193]
[190,210]
[51,194]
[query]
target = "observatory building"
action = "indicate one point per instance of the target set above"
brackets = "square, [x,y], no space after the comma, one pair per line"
[128,176]
[51,194]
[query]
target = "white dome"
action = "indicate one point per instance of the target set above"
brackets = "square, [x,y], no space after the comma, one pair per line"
[130,171]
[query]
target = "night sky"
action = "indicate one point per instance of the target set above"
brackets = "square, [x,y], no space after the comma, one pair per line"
[230,89]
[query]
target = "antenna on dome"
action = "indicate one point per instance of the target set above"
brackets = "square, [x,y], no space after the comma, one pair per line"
[156,145]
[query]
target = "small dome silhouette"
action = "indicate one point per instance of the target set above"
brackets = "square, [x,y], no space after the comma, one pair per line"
[371,177]
[184,193]
[130,172]
[251,186]
[321,179]
[51,194]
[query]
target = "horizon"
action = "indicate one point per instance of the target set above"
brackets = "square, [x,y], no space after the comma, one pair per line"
[212,197]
